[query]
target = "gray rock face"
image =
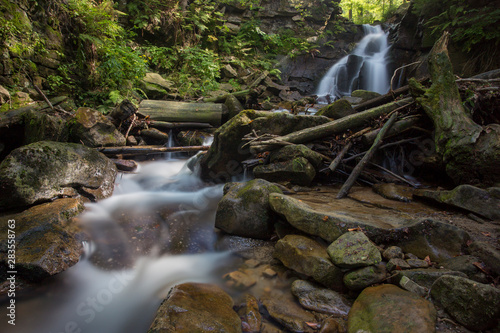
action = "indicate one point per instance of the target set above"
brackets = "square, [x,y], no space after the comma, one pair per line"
[474,305]
[192,307]
[352,250]
[482,202]
[94,130]
[387,308]
[244,210]
[317,298]
[46,170]
[48,241]
[307,256]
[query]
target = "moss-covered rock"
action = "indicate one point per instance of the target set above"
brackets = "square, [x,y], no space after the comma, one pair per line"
[48,240]
[337,109]
[233,106]
[40,126]
[309,257]
[472,304]
[387,308]
[191,138]
[286,311]
[362,278]
[93,129]
[296,171]
[365,95]
[196,307]
[244,209]
[291,152]
[354,249]
[316,298]
[425,277]
[46,170]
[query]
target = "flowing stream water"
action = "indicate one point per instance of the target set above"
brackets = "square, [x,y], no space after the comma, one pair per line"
[365,68]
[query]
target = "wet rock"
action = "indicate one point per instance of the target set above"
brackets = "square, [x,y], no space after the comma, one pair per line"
[287,312]
[91,128]
[474,305]
[291,152]
[387,308]
[125,165]
[482,202]
[46,170]
[397,264]
[196,307]
[251,319]
[240,280]
[425,277]
[365,277]
[48,240]
[233,106]
[417,263]
[333,325]
[338,109]
[248,248]
[308,257]
[244,209]
[316,298]
[394,192]
[154,136]
[297,171]
[466,264]
[352,250]
[393,252]
[365,95]
[191,138]
[487,253]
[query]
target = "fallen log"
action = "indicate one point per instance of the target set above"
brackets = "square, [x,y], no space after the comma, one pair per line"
[399,127]
[340,156]
[360,166]
[146,150]
[470,152]
[154,134]
[170,111]
[180,125]
[381,100]
[330,128]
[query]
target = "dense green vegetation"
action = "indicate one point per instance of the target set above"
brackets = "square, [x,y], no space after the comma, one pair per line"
[368,11]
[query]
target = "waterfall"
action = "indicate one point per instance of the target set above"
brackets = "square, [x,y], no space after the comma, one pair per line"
[365,68]
[170,143]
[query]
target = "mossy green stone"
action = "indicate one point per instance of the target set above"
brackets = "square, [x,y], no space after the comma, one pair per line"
[354,249]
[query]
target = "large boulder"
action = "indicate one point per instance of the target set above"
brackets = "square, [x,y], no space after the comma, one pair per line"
[309,257]
[46,170]
[482,202]
[48,240]
[474,305]
[196,307]
[244,210]
[337,109]
[387,308]
[93,129]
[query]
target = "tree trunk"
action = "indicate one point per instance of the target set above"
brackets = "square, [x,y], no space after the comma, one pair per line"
[169,111]
[471,153]
[340,125]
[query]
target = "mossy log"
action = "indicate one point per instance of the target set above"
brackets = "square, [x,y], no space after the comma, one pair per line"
[338,126]
[171,111]
[470,152]
[398,128]
[146,150]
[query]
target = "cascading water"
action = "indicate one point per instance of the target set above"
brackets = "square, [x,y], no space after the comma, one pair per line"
[156,231]
[365,68]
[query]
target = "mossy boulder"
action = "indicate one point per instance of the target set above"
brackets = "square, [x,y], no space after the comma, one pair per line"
[296,171]
[40,126]
[354,249]
[244,210]
[306,256]
[291,152]
[425,277]
[233,106]
[472,304]
[46,170]
[196,307]
[387,308]
[155,86]
[337,109]
[362,278]
[48,239]
[365,95]
[93,129]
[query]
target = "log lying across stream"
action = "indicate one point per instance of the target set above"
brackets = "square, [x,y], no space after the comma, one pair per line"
[146,150]
[170,111]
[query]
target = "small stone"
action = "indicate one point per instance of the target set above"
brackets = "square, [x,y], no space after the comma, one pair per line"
[269,273]
[240,280]
[252,263]
[251,319]
[417,263]
[365,277]
[397,264]
[393,252]
[413,287]
[410,256]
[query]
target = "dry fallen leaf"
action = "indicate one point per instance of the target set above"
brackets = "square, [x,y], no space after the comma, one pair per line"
[487,234]
[428,260]
[312,325]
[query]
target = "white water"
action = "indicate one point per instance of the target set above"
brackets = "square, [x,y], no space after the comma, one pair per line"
[365,68]
[156,231]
